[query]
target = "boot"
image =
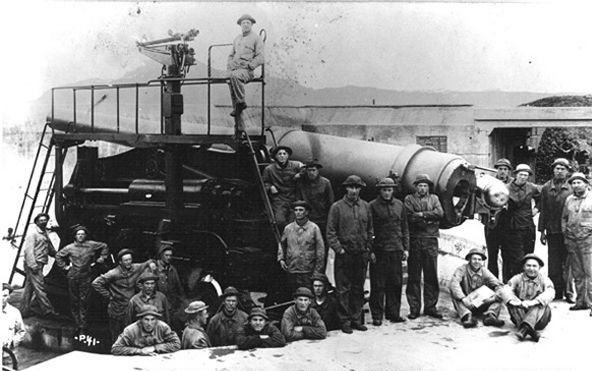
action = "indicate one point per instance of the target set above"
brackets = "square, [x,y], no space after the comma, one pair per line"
[491,320]
[468,321]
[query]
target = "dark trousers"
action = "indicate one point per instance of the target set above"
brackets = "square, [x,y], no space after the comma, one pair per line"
[296,280]
[79,289]
[35,291]
[116,325]
[494,241]
[515,243]
[557,263]
[386,279]
[350,274]
[538,317]
[423,257]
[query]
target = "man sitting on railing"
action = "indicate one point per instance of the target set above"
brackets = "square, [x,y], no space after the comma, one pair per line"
[246,56]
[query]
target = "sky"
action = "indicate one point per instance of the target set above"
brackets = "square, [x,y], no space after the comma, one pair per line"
[537,47]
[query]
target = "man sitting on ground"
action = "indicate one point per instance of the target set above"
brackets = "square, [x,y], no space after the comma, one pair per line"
[325,302]
[467,279]
[300,321]
[258,333]
[147,336]
[527,296]
[194,335]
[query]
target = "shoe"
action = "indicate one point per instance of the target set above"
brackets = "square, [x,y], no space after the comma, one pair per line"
[534,334]
[578,307]
[241,106]
[433,313]
[233,113]
[521,334]
[347,329]
[570,300]
[413,315]
[376,322]
[359,327]
[397,320]
[490,320]
[468,321]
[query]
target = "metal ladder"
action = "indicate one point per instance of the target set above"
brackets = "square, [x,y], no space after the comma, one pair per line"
[38,194]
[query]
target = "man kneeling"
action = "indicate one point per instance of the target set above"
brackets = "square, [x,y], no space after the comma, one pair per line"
[147,336]
[527,296]
[300,321]
[472,289]
[258,333]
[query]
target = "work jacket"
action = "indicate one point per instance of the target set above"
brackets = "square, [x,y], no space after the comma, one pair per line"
[247,52]
[248,338]
[539,288]
[37,248]
[134,338]
[312,324]
[349,226]
[576,218]
[551,207]
[389,219]
[302,248]
[283,178]
[519,216]
[465,280]
[195,337]
[428,224]
[169,282]
[222,328]
[319,195]
[81,256]
[139,300]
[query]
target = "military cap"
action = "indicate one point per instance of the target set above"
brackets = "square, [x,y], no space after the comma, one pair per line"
[230,291]
[320,277]
[123,252]
[423,178]
[561,161]
[303,291]
[503,162]
[258,311]
[148,309]
[475,251]
[386,183]
[578,175]
[532,256]
[301,203]
[36,219]
[245,17]
[147,276]
[523,167]
[313,163]
[6,286]
[80,228]
[196,307]
[354,180]
[275,150]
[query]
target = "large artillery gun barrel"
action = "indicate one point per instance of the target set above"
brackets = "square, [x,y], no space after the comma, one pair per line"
[454,180]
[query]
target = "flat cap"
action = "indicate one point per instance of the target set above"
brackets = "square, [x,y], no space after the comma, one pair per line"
[313,163]
[123,252]
[258,311]
[320,277]
[78,228]
[303,291]
[475,251]
[244,17]
[578,175]
[503,162]
[147,276]
[196,307]
[532,256]
[300,203]
[354,180]
[148,309]
[230,291]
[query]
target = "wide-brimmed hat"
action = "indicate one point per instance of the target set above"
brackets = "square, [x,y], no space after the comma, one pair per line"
[386,183]
[303,291]
[39,216]
[561,161]
[313,163]
[245,16]
[230,291]
[475,251]
[258,311]
[353,180]
[578,175]
[80,228]
[300,203]
[523,167]
[532,256]
[123,252]
[196,307]
[148,310]
[503,162]
[147,276]
[423,178]
[275,150]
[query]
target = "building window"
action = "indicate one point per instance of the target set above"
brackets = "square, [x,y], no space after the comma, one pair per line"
[439,142]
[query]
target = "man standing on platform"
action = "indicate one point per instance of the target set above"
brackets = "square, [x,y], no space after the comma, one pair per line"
[424,212]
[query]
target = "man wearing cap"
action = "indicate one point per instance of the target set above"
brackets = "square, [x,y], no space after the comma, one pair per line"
[118,286]
[169,282]
[147,336]
[82,255]
[325,302]
[12,328]
[350,234]
[224,325]
[527,297]
[576,226]
[194,335]
[504,170]
[466,279]
[302,251]
[424,212]
[148,296]
[37,248]
[553,196]
[246,55]
[389,250]
[516,222]
[280,179]
[300,321]
[317,191]
[259,333]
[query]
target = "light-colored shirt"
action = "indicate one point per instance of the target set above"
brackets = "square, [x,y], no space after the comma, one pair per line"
[81,255]
[539,288]
[37,248]
[576,219]
[247,52]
